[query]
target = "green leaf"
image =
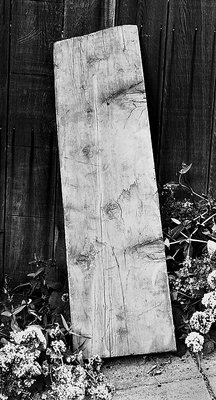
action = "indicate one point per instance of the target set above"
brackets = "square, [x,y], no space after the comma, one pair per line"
[65,323]
[14,326]
[167,243]
[211,247]
[35,315]
[79,335]
[19,309]
[38,272]
[35,326]
[6,313]
[177,230]
[185,168]
[176,221]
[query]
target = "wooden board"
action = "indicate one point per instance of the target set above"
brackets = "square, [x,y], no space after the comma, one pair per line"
[29,236]
[152,16]
[31,176]
[115,255]
[4,65]
[188,94]
[31,135]
[35,26]
[81,17]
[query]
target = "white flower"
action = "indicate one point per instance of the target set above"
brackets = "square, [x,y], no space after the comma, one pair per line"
[212,279]
[55,332]
[209,300]
[31,336]
[3,397]
[67,392]
[187,262]
[195,342]
[201,321]
[58,346]
[187,204]
[101,392]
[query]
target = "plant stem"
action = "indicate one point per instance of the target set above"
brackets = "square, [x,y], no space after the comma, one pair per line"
[190,188]
[212,216]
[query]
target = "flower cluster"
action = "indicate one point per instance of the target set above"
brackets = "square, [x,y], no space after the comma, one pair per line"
[56,350]
[19,368]
[66,374]
[32,336]
[68,383]
[209,300]
[201,321]
[212,279]
[190,281]
[101,392]
[195,342]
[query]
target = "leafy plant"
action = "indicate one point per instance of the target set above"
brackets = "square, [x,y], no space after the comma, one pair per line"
[189,228]
[36,355]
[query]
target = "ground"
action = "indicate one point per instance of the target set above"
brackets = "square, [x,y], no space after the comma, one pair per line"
[162,377]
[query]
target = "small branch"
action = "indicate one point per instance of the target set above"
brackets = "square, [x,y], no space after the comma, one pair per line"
[208,219]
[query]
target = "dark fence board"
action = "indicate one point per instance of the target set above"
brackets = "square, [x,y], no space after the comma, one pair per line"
[82,17]
[126,12]
[185,129]
[35,26]
[209,22]
[26,236]
[31,166]
[31,181]
[152,20]
[32,106]
[4,51]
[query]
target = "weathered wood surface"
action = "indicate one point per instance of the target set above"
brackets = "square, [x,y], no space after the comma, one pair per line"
[117,272]
[31,134]
[88,17]
[189,90]
[4,67]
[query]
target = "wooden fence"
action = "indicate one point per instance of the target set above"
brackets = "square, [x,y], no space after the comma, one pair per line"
[178,44]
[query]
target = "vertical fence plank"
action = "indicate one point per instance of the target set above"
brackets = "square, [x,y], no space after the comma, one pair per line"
[209,10]
[4,82]
[185,126]
[81,17]
[152,18]
[126,12]
[31,167]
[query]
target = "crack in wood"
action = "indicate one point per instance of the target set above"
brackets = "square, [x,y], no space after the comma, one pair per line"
[123,296]
[126,193]
[122,92]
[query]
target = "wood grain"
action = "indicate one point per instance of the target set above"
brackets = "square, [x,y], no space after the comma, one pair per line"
[35,26]
[31,163]
[108,13]
[31,181]
[4,65]
[81,17]
[115,256]
[29,236]
[152,20]
[126,12]
[32,107]
[186,132]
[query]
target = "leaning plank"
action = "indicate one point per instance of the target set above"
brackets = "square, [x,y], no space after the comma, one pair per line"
[117,273]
